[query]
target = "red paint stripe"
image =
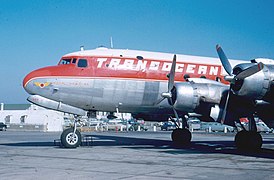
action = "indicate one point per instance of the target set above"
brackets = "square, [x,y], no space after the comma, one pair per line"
[105,72]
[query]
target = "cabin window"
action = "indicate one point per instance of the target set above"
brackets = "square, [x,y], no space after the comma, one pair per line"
[186,76]
[139,57]
[65,61]
[82,63]
[218,79]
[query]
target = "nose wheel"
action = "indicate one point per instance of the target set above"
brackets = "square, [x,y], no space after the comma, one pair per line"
[71,139]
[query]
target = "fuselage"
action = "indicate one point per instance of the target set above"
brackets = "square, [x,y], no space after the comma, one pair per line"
[106,79]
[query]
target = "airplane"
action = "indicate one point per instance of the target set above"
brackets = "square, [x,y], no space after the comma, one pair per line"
[153,86]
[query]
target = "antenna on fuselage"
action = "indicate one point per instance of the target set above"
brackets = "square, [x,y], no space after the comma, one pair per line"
[111,42]
[82,48]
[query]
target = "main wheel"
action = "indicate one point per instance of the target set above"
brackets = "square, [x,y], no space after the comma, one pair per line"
[181,136]
[248,140]
[69,140]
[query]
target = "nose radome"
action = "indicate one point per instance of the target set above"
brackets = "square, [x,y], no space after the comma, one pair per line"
[39,73]
[28,78]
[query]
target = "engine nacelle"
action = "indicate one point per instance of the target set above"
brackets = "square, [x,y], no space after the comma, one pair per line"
[189,96]
[256,86]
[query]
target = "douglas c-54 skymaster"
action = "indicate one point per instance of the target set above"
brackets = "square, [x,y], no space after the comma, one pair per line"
[153,87]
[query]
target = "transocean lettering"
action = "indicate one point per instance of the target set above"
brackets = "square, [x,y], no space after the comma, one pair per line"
[150,65]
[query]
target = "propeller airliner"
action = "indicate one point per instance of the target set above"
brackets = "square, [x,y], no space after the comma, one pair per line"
[156,86]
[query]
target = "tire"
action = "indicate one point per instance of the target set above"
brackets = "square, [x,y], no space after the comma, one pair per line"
[181,137]
[241,140]
[248,141]
[67,139]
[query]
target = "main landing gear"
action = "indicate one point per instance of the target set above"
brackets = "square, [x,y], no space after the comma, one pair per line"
[249,140]
[181,136]
[71,138]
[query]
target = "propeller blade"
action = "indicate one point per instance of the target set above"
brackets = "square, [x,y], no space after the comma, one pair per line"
[171,76]
[224,60]
[250,71]
[225,107]
[159,101]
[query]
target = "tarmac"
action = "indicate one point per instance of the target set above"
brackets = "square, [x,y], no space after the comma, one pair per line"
[132,155]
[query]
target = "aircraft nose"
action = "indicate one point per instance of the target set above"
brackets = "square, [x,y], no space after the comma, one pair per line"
[29,80]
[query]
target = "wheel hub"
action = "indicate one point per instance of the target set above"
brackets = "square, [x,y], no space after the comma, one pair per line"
[72,139]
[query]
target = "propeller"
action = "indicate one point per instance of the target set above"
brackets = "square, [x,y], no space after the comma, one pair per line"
[171,79]
[250,71]
[242,75]
[171,75]
[234,77]
[168,94]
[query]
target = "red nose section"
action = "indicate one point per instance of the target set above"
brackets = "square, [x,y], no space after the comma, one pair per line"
[43,72]
[28,78]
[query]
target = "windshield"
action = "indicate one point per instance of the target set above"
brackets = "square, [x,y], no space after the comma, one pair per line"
[67,61]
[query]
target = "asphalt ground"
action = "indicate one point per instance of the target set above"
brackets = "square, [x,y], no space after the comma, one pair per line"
[132,155]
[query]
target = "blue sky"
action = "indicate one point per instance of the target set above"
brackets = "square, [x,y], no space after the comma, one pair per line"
[36,33]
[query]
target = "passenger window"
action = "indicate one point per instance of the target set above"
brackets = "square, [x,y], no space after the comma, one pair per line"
[218,79]
[186,76]
[82,63]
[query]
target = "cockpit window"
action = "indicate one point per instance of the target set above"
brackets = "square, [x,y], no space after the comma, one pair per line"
[82,63]
[74,60]
[65,61]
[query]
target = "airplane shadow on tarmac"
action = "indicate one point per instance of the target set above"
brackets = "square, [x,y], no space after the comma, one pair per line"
[196,147]
[165,146]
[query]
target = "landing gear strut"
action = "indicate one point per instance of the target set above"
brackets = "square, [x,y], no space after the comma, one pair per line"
[249,140]
[181,136]
[71,138]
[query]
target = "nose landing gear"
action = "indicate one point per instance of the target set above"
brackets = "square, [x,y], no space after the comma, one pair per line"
[71,138]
